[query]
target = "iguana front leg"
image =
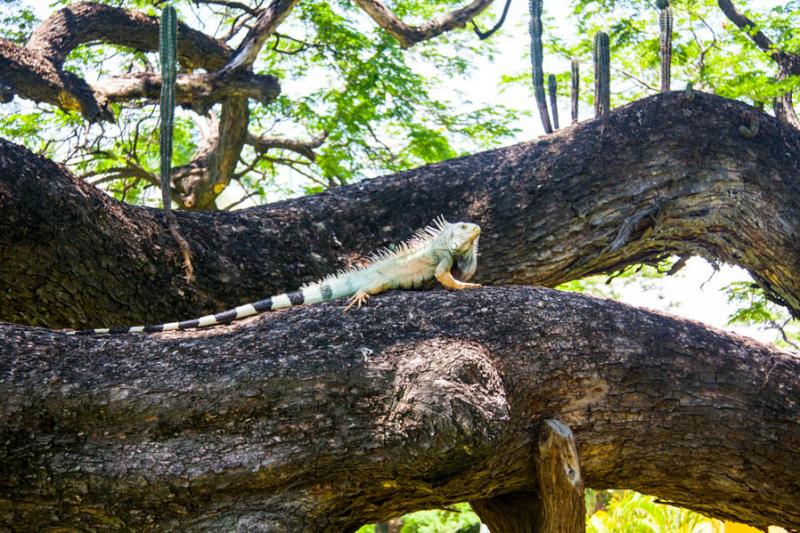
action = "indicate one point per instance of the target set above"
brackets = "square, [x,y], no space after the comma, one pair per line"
[446,278]
[362,295]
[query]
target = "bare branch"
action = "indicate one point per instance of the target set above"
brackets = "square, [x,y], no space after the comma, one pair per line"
[305,148]
[265,25]
[499,24]
[744,23]
[231,5]
[87,22]
[198,91]
[410,35]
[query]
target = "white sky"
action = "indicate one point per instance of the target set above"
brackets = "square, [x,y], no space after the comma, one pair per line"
[695,291]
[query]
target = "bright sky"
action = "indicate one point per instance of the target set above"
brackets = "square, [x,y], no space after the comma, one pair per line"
[695,291]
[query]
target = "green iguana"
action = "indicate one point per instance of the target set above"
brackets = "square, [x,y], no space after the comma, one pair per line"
[431,253]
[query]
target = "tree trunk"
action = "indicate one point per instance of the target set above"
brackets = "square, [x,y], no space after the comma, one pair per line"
[664,175]
[316,420]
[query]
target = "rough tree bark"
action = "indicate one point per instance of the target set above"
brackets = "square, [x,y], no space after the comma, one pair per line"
[664,175]
[317,420]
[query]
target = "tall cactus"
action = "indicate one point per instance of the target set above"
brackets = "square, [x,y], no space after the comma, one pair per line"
[552,87]
[169,58]
[168,51]
[535,28]
[602,74]
[665,23]
[576,84]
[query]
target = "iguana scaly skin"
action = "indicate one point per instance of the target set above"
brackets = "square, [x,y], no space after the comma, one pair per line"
[430,254]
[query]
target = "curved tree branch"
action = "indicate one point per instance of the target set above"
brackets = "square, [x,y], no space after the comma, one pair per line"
[664,175]
[410,35]
[28,74]
[42,59]
[312,420]
[86,22]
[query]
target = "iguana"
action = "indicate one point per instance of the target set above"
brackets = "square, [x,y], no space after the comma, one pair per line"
[431,253]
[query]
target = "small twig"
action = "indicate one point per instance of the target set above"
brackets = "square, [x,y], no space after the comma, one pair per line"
[636,79]
[485,35]
[679,264]
[782,331]
[240,200]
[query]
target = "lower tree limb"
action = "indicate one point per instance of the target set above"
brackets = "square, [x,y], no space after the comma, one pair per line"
[563,508]
[557,506]
[311,419]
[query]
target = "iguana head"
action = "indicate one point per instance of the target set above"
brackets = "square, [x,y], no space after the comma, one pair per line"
[462,241]
[461,237]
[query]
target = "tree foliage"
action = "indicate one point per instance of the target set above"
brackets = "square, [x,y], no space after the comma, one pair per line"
[377,105]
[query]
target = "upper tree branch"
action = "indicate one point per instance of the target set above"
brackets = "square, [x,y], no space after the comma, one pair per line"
[81,23]
[305,148]
[315,420]
[409,35]
[198,91]
[219,158]
[26,73]
[265,25]
[35,71]
[550,211]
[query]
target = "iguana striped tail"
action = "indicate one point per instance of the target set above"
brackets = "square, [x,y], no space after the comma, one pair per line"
[311,294]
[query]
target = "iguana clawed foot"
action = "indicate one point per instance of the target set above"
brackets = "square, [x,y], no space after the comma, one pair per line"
[358,299]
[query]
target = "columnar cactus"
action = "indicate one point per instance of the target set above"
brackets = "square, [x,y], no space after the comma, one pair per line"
[602,74]
[168,53]
[535,28]
[575,89]
[552,87]
[665,22]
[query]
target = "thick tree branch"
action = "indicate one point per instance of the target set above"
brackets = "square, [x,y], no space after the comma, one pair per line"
[86,22]
[550,211]
[198,91]
[26,73]
[219,158]
[312,419]
[409,35]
